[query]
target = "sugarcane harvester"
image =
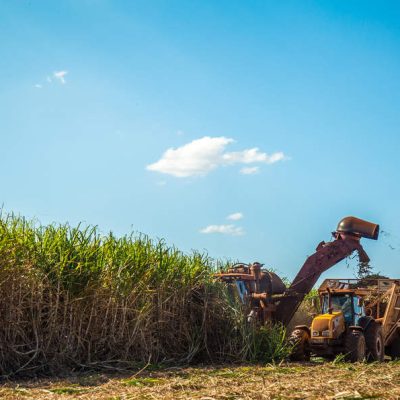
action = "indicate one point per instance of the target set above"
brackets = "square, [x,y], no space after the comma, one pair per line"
[267,297]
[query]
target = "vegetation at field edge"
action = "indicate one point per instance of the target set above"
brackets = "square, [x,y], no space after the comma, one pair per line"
[73,299]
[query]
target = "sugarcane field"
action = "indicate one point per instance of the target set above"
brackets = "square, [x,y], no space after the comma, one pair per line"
[199,199]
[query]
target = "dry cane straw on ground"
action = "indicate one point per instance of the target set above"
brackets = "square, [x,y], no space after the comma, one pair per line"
[288,381]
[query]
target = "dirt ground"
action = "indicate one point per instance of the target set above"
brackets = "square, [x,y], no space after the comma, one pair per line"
[315,380]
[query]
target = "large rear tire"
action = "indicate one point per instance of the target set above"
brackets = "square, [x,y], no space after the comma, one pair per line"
[299,342]
[394,349]
[374,342]
[355,346]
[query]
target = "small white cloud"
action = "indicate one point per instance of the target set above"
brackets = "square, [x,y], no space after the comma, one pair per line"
[180,133]
[38,86]
[60,75]
[250,170]
[279,156]
[161,183]
[203,155]
[252,156]
[231,230]
[235,216]
[48,79]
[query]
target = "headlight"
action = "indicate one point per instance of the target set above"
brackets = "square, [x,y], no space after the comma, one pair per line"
[315,333]
[326,333]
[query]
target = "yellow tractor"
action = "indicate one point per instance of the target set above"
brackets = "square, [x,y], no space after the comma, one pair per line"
[359,318]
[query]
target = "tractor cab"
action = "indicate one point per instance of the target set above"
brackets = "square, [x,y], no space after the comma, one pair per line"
[349,304]
[340,309]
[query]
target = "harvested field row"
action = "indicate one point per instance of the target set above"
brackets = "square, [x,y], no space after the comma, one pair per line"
[287,381]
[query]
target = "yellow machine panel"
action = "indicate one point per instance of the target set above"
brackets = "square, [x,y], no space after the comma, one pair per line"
[328,326]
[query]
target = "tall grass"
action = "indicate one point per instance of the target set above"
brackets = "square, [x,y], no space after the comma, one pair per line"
[71,298]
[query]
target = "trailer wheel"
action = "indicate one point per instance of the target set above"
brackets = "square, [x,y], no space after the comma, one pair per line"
[298,340]
[374,342]
[355,346]
[394,349]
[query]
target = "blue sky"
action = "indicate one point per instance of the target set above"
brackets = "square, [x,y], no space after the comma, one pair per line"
[94,93]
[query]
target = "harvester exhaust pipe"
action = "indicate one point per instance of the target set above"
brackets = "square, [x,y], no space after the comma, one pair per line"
[358,227]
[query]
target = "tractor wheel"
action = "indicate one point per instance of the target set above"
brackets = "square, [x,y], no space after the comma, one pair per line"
[355,346]
[394,349]
[298,340]
[374,342]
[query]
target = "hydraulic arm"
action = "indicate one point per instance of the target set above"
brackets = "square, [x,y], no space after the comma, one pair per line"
[325,257]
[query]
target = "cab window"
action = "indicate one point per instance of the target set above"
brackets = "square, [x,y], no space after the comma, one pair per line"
[341,303]
[358,310]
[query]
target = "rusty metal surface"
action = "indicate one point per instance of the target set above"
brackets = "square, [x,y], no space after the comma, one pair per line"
[257,288]
[369,285]
[359,227]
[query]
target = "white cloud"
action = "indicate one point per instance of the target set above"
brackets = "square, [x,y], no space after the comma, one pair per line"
[38,86]
[235,216]
[201,156]
[250,170]
[231,230]
[60,75]
[198,157]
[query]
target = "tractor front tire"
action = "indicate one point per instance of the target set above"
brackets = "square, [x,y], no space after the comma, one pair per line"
[374,342]
[298,340]
[355,346]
